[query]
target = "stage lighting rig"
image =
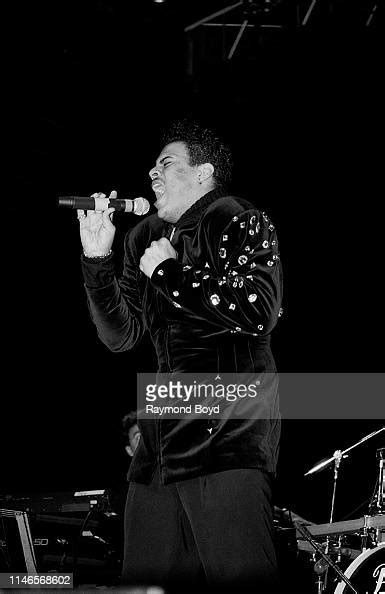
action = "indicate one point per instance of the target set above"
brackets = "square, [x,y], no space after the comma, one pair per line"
[252,14]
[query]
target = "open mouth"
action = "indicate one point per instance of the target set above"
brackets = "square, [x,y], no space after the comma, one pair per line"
[158,188]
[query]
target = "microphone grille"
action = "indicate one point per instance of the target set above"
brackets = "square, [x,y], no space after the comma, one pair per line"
[141,206]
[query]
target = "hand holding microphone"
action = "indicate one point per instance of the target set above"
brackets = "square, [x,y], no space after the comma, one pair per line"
[96,229]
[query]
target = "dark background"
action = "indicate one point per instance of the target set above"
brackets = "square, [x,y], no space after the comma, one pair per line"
[92,83]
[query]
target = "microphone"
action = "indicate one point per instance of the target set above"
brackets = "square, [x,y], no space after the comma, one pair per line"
[140,206]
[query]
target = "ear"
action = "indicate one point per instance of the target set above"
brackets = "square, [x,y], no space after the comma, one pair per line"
[129,450]
[205,172]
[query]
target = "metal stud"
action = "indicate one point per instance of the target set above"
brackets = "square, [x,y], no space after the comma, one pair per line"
[235,219]
[260,327]
[252,297]
[215,299]
[242,225]
[270,262]
[206,276]
[175,293]
[242,259]
[265,244]
[251,232]
[195,285]
[222,253]
[232,306]
[160,272]
[225,237]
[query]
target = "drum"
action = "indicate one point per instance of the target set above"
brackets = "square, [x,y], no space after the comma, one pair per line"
[366,573]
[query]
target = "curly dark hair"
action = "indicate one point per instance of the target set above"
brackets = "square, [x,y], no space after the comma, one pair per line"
[128,421]
[204,146]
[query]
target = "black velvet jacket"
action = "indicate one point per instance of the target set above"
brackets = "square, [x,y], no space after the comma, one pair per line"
[211,310]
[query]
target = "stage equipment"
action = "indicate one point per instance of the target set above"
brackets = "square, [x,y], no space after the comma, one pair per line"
[369,532]
[73,531]
[338,454]
[369,529]
[252,10]
[329,562]
[377,505]
[19,556]
[367,572]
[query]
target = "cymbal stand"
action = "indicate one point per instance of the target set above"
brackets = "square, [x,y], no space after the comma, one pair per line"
[380,504]
[377,504]
[337,461]
[325,463]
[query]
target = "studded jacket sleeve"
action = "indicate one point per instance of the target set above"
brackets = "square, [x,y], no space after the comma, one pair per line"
[236,280]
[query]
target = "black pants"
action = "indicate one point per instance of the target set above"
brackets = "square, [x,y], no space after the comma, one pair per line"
[215,530]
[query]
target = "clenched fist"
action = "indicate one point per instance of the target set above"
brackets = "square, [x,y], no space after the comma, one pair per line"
[158,252]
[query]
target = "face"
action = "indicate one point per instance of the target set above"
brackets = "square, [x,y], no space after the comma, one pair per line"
[175,182]
[133,438]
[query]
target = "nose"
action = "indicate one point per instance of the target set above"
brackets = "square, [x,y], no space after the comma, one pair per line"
[154,173]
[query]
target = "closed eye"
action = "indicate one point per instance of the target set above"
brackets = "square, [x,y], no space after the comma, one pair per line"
[165,161]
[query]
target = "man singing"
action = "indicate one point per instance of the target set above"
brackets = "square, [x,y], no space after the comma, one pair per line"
[203,277]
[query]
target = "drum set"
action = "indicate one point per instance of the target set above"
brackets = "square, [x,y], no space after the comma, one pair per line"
[348,556]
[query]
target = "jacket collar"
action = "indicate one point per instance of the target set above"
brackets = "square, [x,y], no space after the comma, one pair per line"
[195,211]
